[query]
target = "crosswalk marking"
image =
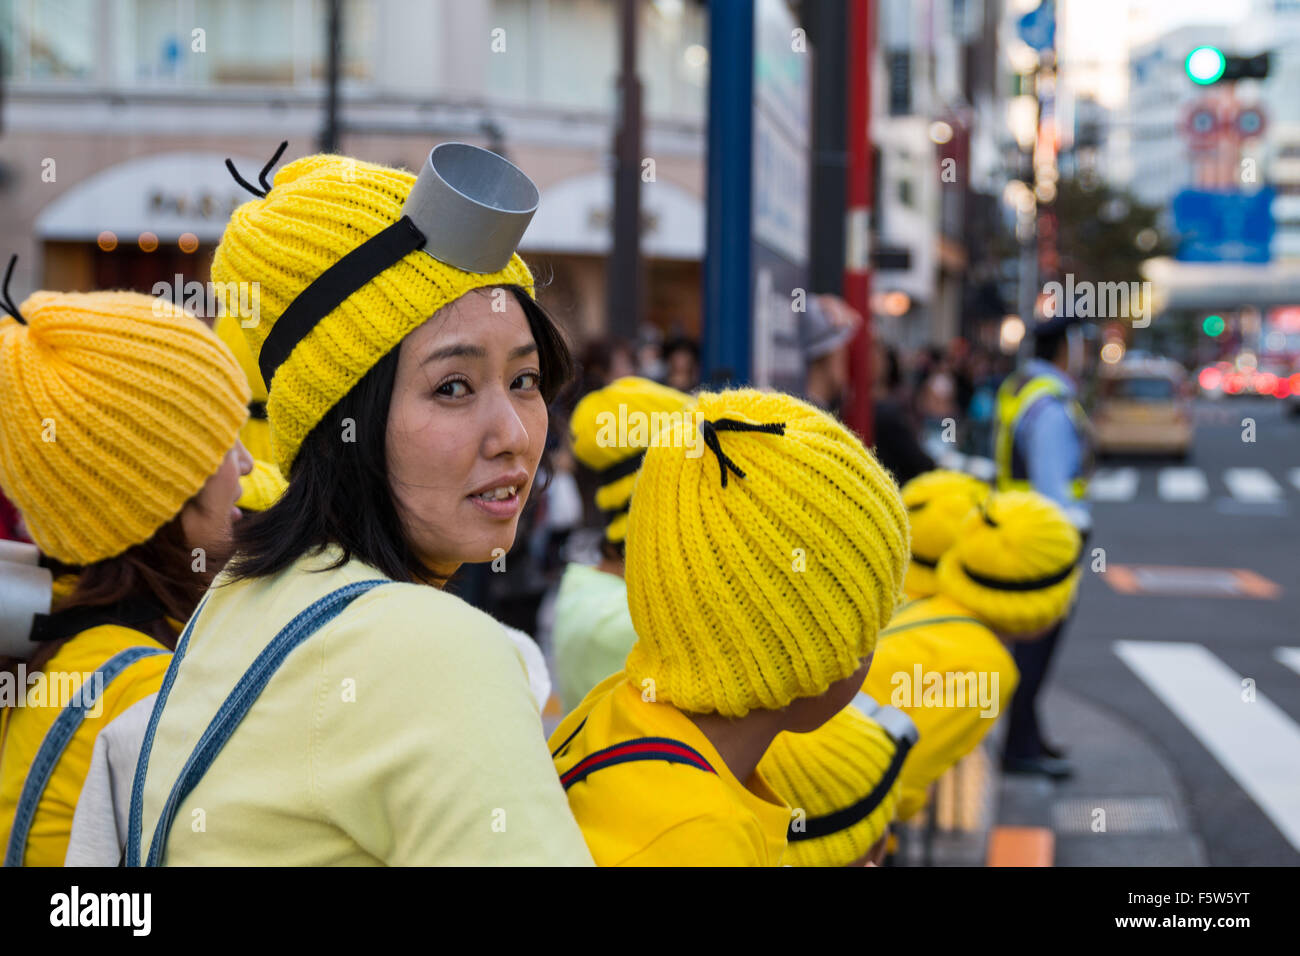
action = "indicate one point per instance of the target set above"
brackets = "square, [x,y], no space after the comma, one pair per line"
[1294,475]
[1290,656]
[1118,484]
[1255,741]
[1182,484]
[1252,484]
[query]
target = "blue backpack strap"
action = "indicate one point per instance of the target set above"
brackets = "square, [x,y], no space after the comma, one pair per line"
[56,741]
[229,715]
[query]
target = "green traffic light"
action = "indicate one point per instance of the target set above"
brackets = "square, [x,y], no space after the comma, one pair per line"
[1213,325]
[1205,64]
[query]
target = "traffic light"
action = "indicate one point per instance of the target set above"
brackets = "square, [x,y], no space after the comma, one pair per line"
[1207,65]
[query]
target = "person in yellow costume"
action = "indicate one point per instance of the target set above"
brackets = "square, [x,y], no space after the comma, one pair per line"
[936,502]
[1010,576]
[842,781]
[264,484]
[609,430]
[765,549]
[119,444]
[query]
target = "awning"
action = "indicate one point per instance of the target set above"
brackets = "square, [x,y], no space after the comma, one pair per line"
[1229,285]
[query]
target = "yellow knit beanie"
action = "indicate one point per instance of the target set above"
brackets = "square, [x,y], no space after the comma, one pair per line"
[261,487]
[256,433]
[842,780]
[318,210]
[1015,563]
[118,407]
[610,429]
[936,502]
[766,547]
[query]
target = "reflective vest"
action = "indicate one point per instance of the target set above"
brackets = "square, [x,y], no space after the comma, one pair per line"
[1018,397]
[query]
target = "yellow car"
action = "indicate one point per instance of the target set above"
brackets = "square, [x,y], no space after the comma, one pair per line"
[1144,407]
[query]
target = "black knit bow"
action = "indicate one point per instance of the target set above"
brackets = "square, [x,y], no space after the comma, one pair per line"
[6,301]
[261,177]
[710,432]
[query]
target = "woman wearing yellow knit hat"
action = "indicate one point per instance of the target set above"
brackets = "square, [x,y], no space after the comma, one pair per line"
[765,550]
[119,443]
[842,780]
[1010,575]
[936,502]
[408,369]
[609,429]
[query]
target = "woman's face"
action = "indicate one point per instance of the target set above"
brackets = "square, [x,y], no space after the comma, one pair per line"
[466,429]
[208,517]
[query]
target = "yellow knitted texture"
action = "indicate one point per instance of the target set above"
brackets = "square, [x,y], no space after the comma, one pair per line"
[118,407]
[318,210]
[771,588]
[828,770]
[1029,537]
[595,421]
[261,487]
[936,502]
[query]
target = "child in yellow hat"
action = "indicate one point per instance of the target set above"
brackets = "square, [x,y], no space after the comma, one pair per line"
[842,780]
[765,549]
[936,503]
[609,429]
[119,443]
[1010,575]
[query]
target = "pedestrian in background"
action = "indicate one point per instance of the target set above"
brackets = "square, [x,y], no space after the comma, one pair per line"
[119,442]
[1043,442]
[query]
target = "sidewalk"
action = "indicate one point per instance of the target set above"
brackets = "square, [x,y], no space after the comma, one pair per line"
[1121,782]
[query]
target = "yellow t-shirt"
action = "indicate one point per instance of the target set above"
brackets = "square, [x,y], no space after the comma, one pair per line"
[655,812]
[403,732]
[25,728]
[946,670]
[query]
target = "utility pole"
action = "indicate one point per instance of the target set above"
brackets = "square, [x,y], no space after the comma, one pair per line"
[858,413]
[329,137]
[624,276]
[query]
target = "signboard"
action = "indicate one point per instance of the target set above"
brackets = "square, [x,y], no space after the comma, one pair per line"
[1037,28]
[1224,227]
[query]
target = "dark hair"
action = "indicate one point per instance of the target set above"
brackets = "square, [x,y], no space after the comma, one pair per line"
[1047,344]
[339,492]
[160,571]
[681,343]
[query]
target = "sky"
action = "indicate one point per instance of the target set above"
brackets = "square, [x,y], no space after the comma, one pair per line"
[1095,36]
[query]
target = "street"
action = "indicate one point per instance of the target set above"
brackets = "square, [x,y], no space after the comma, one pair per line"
[1171,665]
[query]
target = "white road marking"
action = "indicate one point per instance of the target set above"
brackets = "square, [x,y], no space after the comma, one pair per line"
[1182,484]
[1255,741]
[1290,656]
[1118,484]
[1252,484]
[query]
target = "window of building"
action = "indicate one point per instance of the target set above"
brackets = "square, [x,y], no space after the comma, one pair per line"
[49,40]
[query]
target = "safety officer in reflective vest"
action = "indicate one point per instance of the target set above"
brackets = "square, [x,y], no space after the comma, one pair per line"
[1043,442]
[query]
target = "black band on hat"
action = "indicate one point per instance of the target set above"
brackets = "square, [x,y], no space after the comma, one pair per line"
[257,410]
[1001,584]
[612,513]
[924,562]
[332,287]
[620,469]
[816,827]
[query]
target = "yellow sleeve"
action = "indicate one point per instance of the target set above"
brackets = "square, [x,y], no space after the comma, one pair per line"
[710,840]
[427,745]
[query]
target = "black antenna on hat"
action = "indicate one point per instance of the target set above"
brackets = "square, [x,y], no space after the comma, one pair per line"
[6,302]
[261,177]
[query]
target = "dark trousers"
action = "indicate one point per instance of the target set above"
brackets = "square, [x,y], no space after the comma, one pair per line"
[1024,738]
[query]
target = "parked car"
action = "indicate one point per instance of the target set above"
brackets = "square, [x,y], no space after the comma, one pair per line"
[1144,407]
